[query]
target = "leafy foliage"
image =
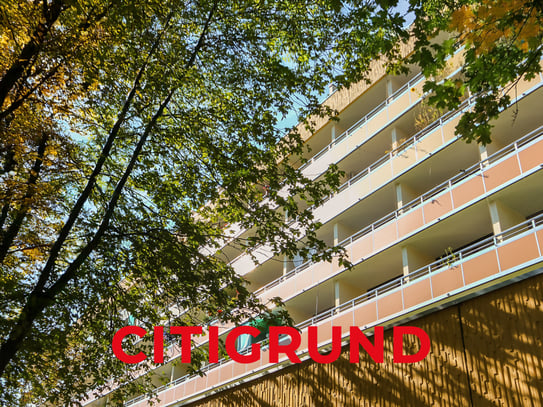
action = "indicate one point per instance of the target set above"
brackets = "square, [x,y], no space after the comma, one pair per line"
[130,136]
[502,42]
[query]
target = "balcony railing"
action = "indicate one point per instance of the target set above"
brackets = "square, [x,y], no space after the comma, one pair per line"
[403,147]
[457,262]
[414,81]
[476,169]
[354,128]
[384,159]
[351,130]
[446,263]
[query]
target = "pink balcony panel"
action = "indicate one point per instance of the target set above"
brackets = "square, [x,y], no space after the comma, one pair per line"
[226,373]
[376,122]
[359,189]
[362,248]
[290,286]
[321,271]
[264,357]
[244,264]
[179,391]
[344,321]
[254,365]
[355,139]
[213,378]
[304,280]
[283,290]
[239,369]
[288,289]
[365,314]
[403,160]
[390,304]
[324,331]
[417,90]
[410,222]
[468,190]
[532,156]
[339,202]
[518,251]
[303,343]
[480,267]
[523,85]
[539,235]
[498,175]
[381,175]
[417,293]
[447,280]
[384,236]
[267,294]
[437,207]
[449,129]
[334,265]
[166,397]
[333,155]
[190,386]
[399,105]
[429,143]
[263,253]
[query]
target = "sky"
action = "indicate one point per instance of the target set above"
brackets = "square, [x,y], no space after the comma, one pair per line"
[292,119]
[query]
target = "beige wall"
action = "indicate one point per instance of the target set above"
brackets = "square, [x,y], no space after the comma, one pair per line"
[501,332]
[343,98]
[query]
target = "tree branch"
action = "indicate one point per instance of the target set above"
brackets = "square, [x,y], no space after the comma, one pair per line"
[31,49]
[38,300]
[9,235]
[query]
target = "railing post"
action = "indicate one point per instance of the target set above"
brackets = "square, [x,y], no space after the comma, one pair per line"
[536,238]
[431,285]
[401,290]
[376,307]
[462,268]
[498,259]
[372,238]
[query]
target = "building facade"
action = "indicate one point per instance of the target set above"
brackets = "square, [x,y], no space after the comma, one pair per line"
[443,235]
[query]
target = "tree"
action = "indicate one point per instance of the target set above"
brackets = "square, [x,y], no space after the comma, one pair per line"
[130,136]
[503,43]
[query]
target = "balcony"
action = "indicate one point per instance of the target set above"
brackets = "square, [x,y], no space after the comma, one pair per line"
[508,165]
[498,260]
[407,156]
[476,183]
[375,121]
[393,107]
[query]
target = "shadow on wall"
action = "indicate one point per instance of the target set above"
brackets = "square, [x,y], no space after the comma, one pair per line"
[485,352]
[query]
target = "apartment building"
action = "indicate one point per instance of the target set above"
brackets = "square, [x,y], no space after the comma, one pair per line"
[431,224]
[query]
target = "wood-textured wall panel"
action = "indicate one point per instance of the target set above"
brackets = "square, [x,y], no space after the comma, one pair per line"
[503,334]
[493,358]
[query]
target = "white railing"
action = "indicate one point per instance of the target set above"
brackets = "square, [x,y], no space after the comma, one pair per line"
[444,186]
[442,264]
[383,160]
[351,130]
[399,149]
[452,260]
